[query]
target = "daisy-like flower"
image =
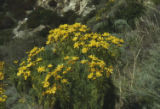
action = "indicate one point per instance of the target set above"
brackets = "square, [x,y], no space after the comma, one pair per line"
[50,66]
[41,69]
[84,50]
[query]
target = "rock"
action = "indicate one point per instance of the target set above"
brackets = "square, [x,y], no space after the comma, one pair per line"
[1,4]
[52,3]
[69,17]
[18,8]
[81,7]
[6,22]
[18,33]
[42,16]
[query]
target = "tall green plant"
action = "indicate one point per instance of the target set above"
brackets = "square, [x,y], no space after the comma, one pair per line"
[73,69]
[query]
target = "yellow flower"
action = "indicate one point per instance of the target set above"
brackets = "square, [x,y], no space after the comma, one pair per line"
[22,63]
[75,39]
[82,43]
[93,43]
[95,36]
[76,25]
[59,67]
[64,72]
[92,64]
[66,58]
[51,90]
[22,68]
[93,57]
[115,41]
[101,63]
[22,100]
[105,45]
[98,74]
[2,99]
[29,59]
[84,61]
[110,69]
[74,58]
[84,50]
[58,77]
[1,76]
[77,34]
[30,64]
[111,0]
[50,66]
[121,40]
[76,45]
[68,69]
[64,81]
[105,34]
[33,50]
[47,42]
[15,61]
[48,76]
[92,69]
[45,84]
[63,26]
[19,72]
[54,73]
[27,74]
[90,76]
[83,29]
[39,59]
[107,74]
[41,69]
[54,50]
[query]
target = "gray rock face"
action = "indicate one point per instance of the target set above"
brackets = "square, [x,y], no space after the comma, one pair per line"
[27,32]
[81,7]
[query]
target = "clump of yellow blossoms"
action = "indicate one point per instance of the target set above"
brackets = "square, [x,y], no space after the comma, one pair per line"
[25,66]
[74,44]
[3,97]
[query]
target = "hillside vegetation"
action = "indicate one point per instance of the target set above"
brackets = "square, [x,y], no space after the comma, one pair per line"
[79,54]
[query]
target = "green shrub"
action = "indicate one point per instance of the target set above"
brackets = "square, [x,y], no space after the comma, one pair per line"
[108,12]
[43,16]
[156,2]
[73,69]
[139,66]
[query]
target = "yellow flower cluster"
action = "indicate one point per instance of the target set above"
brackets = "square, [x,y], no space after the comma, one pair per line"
[65,31]
[1,75]
[3,97]
[57,75]
[51,90]
[24,66]
[41,69]
[35,51]
[15,61]
[97,67]
[84,41]
[81,38]
[85,48]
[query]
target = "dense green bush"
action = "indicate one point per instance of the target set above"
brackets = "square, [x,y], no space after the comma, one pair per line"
[72,71]
[139,70]
[156,2]
[108,12]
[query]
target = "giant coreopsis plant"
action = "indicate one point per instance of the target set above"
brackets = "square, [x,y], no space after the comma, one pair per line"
[73,68]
